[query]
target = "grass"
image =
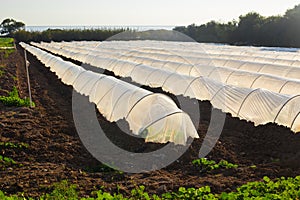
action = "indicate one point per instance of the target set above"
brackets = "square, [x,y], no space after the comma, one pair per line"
[282,188]
[13,99]
[6,42]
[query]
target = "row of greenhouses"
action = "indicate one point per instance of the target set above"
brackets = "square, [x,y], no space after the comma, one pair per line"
[284,56]
[230,76]
[151,115]
[263,95]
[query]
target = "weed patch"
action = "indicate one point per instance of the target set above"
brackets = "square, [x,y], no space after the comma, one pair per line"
[13,99]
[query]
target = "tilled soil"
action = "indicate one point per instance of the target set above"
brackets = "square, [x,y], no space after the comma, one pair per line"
[56,153]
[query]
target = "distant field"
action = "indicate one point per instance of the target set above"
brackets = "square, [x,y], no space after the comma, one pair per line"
[6,42]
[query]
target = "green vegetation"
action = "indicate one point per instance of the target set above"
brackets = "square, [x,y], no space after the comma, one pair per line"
[7,162]
[6,42]
[205,165]
[62,190]
[59,35]
[14,78]
[13,99]
[9,26]
[251,29]
[15,29]
[283,188]
[13,197]
[1,73]
[13,145]
[7,52]
[190,193]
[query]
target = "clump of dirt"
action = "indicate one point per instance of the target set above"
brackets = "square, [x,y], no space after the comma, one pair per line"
[55,152]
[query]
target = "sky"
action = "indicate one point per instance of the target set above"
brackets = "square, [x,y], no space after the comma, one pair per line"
[136,12]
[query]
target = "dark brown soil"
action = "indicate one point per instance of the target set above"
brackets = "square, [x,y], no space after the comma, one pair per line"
[56,153]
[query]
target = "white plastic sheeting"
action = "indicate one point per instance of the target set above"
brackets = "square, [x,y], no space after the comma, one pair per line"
[154,115]
[112,60]
[249,54]
[253,104]
[282,56]
[262,52]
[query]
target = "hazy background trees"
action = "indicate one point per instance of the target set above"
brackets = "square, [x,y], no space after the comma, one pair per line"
[59,35]
[251,29]
[9,26]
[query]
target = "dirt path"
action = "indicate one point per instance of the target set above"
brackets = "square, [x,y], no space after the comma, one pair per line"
[55,152]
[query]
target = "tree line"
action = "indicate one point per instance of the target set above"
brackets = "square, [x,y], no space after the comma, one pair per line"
[59,35]
[250,29]
[12,28]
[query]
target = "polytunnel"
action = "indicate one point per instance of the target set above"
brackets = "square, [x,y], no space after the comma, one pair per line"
[217,51]
[245,58]
[256,51]
[198,48]
[122,65]
[286,71]
[153,116]
[253,104]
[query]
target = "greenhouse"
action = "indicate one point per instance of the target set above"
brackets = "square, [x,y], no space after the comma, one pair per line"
[260,96]
[116,100]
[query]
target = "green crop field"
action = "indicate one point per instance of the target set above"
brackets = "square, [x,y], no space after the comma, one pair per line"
[6,42]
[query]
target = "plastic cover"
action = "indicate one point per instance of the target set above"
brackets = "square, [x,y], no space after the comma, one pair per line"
[227,87]
[153,116]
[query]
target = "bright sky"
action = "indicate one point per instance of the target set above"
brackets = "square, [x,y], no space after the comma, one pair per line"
[136,12]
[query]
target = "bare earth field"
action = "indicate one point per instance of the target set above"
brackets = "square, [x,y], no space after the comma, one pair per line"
[56,153]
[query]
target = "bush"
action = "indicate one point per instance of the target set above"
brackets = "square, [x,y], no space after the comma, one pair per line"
[250,29]
[59,35]
[13,99]
[62,190]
